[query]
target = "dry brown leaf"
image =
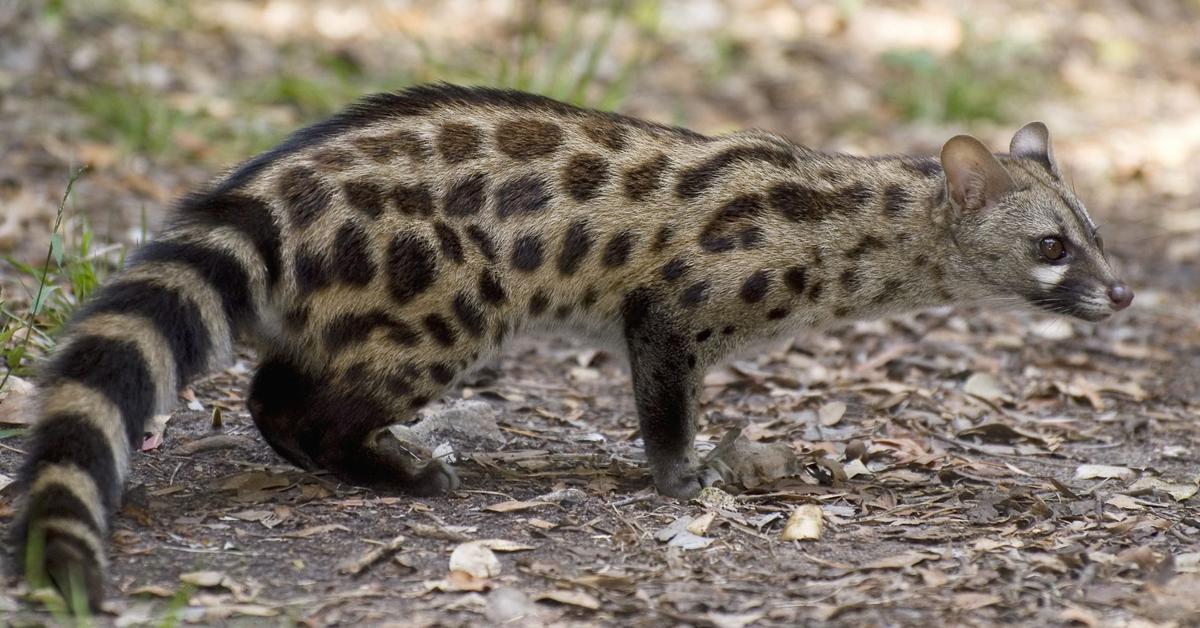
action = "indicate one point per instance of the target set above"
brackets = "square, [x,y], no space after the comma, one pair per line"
[17,404]
[804,524]
[1104,471]
[205,579]
[515,506]
[571,598]
[831,413]
[699,525]
[315,530]
[475,558]
[985,386]
[1177,490]
[900,561]
[970,601]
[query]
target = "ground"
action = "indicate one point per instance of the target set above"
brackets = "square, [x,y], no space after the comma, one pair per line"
[970,466]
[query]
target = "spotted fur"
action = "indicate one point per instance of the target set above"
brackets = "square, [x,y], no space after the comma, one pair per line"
[374,256]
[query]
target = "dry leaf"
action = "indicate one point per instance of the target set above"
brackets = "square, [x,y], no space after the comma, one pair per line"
[476,559]
[901,561]
[1108,472]
[501,545]
[203,578]
[805,524]
[17,404]
[1178,491]
[985,386]
[971,601]
[572,598]
[315,530]
[699,525]
[1124,502]
[515,506]
[831,413]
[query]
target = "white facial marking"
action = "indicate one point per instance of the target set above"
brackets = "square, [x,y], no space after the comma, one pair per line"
[1049,275]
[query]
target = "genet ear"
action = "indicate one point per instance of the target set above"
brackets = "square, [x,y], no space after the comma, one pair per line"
[1033,142]
[975,179]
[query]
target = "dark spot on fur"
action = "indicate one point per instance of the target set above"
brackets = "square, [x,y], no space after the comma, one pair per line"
[795,278]
[412,266]
[576,244]
[691,360]
[538,303]
[865,245]
[694,294]
[490,289]
[728,330]
[841,311]
[720,233]
[468,313]
[923,167]
[895,200]
[458,142]
[661,238]
[402,334]
[440,329]
[310,270]
[413,200]
[694,181]
[584,175]
[525,139]
[920,260]
[635,309]
[449,242]
[385,148]
[563,311]
[590,296]
[616,252]
[352,261]
[305,195]
[754,289]
[851,282]
[751,237]
[798,203]
[675,269]
[334,158]
[527,253]
[483,241]
[703,334]
[441,373]
[815,290]
[891,288]
[777,313]
[365,196]
[466,196]
[418,402]
[605,132]
[643,180]
[523,195]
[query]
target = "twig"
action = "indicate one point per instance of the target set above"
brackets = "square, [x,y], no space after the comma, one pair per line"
[372,556]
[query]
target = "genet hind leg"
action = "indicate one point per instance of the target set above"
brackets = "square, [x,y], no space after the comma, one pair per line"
[338,422]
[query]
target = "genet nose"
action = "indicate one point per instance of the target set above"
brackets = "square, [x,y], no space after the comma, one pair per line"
[1121,295]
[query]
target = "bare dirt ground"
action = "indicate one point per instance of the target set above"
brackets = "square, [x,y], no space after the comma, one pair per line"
[971,467]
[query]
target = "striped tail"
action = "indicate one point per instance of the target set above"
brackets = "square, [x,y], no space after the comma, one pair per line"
[168,317]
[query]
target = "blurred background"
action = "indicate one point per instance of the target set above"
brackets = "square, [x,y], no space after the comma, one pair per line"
[156,97]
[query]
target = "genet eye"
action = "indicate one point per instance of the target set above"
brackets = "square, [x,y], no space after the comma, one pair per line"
[1052,248]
